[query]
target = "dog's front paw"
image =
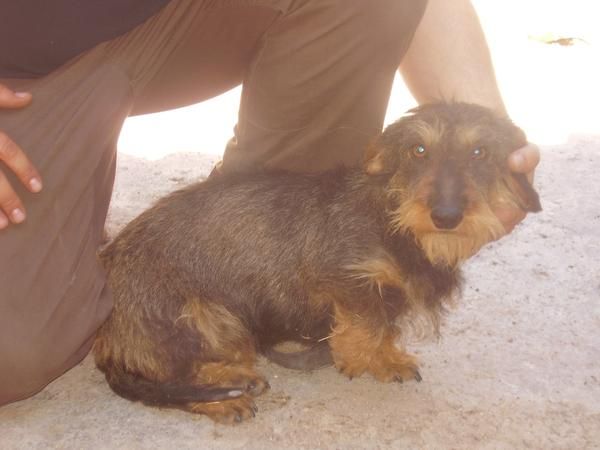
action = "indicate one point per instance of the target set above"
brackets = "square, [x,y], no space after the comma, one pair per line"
[387,364]
[350,368]
[394,365]
[383,360]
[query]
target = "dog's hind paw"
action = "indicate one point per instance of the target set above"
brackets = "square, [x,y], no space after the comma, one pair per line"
[229,412]
[257,386]
[233,376]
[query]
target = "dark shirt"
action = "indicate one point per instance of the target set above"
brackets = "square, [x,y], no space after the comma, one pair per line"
[37,36]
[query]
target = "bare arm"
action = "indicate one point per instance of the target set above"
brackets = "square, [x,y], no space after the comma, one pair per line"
[449,59]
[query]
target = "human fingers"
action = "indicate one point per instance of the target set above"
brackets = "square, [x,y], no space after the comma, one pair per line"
[11,207]
[15,159]
[525,160]
[13,100]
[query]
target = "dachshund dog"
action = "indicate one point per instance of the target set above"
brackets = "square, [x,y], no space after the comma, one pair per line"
[347,260]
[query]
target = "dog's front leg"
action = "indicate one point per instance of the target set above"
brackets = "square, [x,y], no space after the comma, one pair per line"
[365,342]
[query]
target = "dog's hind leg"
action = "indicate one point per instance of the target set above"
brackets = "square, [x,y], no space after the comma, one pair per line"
[201,360]
[238,379]
[227,363]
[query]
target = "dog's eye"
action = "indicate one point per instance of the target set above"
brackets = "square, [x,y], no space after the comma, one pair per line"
[478,153]
[419,151]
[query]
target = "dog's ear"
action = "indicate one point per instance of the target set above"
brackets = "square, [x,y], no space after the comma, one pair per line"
[525,195]
[375,164]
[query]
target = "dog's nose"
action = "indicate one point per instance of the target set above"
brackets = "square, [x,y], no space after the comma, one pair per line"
[446,217]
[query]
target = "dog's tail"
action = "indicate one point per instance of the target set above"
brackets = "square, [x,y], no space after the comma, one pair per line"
[135,387]
[312,358]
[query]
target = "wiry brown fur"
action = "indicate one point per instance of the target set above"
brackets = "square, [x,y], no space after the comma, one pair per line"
[223,270]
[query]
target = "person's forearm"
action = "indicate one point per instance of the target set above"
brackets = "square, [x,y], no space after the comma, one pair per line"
[449,59]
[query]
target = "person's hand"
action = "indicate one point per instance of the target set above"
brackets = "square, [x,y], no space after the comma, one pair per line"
[523,160]
[13,157]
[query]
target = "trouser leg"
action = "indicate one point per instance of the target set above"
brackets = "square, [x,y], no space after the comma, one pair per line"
[316,75]
[52,288]
[316,91]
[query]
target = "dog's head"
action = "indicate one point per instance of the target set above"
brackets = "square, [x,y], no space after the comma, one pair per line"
[444,168]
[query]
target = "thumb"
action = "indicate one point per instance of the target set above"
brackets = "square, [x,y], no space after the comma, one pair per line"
[11,99]
[525,160]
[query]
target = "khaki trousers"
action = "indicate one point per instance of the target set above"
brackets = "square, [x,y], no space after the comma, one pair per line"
[316,78]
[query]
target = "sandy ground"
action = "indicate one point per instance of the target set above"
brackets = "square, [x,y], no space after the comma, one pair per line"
[518,364]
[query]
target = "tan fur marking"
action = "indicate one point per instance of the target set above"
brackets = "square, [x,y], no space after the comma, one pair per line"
[113,345]
[224,374]
[478,227]
[391,363]
[225,335]
[227,412]
[427,134]
[377,272]
[430,134]
[357,347]
[375,164]
[418,321]
[321,299]
[353,343]
[469,136]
